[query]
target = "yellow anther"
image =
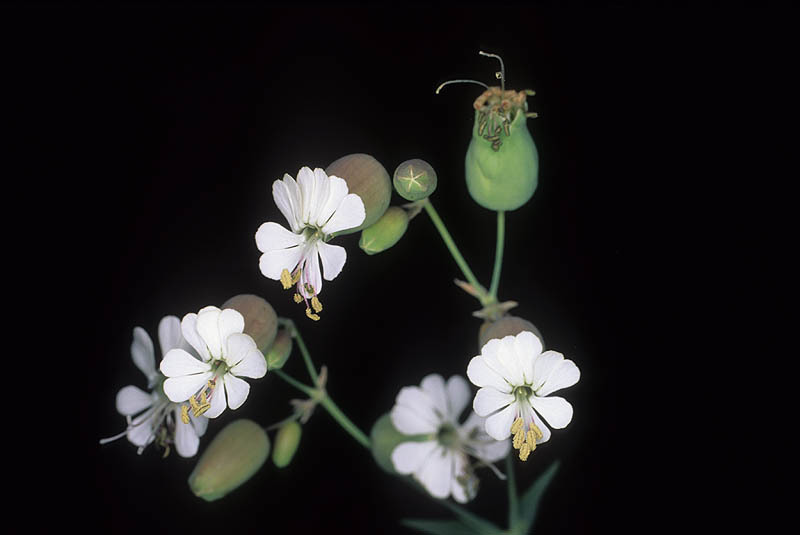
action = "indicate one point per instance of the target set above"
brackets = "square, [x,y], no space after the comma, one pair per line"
[536,431]
[519,438]
[201,409]
[531,442]
[524,451]
[297,298]
[286,279]
[314,317]
[296,277]
[315,304]
[516,427]
[193,403]
[184,414]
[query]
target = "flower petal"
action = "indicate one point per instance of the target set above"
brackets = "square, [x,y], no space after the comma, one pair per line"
[433,385]
[413,412]
[349,214]
[498,425]
[244,358]
[527,346]
[311,273]
[408,457]
[553,373]
[200,424]
[287,198]
[555,410]
[142,352]
[333,259]
[489,400]
[482,375]
[273,237]
[236,389]
[169,334]
[178,362]
[337,190]
[272,263]
[462,484]
[186,439]
[181,388]
[307,183]
[217,400]
[141,430]
[208,329]
[508,358]
[132,400]
[436,474]
[190,334]
[231,322]
[542,427]
[458,396]
[321,192]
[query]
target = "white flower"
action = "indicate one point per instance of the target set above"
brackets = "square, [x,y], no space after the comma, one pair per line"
[440,463]
[316,207]
[150,415]
[212,382]
[516,381]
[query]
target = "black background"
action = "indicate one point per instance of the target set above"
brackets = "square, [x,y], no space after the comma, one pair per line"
[162,129]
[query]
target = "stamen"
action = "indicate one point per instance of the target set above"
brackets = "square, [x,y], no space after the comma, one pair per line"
[298,298]
[524,452]
[516,427]
[286,279]
[314,317]
[185,414]
[296,276]
[531,442]
[519,439]
[315,304]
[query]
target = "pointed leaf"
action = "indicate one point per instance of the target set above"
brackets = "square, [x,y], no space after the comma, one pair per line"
[529,502]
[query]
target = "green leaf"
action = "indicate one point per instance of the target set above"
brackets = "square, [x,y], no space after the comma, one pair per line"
[439,527]
[529,502]
[471,520]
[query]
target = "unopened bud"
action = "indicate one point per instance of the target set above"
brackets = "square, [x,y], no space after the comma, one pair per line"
[260,320]
[414,179]
[279,351]
[506,326]
[235,454]
[386,231]
[286,442]
[367,178]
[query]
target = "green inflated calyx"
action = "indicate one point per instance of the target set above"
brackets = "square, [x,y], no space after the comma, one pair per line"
[278,353]
[235,454]
[386,232]
[414,179]
[367,178]
[502,163]
[384,438]
[506,326]
[286,442]
[260,320]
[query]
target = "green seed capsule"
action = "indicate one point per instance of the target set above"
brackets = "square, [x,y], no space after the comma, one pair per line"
[279,351]
[286,442]
[260,320]
[414,179]
[506,326]
[235,454]
[367,178]
[502,172]
[386,232]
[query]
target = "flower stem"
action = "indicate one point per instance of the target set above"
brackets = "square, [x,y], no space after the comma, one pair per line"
[454,252]
[295,333]
[513,499]
[330,406]
[498,253]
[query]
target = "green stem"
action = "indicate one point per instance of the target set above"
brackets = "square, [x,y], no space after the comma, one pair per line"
[498,253]
[513,499]
[456,254]
[295,333]
[330,406]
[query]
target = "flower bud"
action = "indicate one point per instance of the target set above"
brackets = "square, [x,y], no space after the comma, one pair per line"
[367,178]
[260,320]
[414,179]
[505,326]
[286,442]
[385,232]
[279,351]
[502,164]
[235,454]
[384,438]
